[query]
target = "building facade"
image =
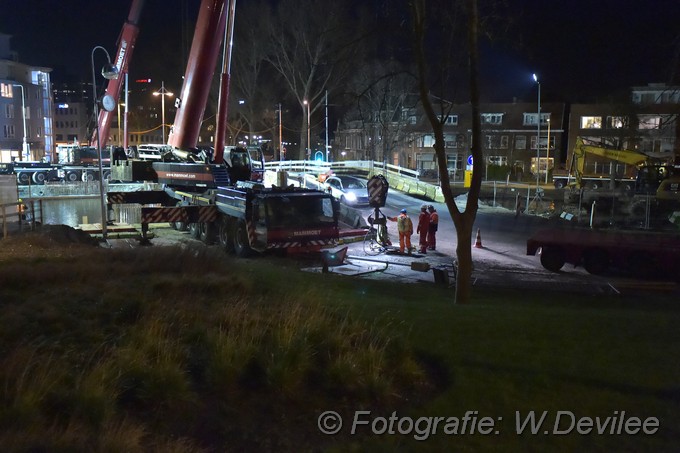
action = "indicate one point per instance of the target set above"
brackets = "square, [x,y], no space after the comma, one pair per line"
[26,108]
[514,141]
[648,124]
[511,132]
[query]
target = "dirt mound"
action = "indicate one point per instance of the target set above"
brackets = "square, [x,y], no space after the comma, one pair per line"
[64,234]
[45,235]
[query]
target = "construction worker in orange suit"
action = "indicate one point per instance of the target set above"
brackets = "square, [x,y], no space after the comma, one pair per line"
[423,228]
[434,225]
[405,228]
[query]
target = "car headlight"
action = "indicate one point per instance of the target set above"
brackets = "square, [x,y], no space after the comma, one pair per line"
[349,196]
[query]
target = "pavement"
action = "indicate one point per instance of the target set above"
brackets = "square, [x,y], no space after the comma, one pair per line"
[495,266]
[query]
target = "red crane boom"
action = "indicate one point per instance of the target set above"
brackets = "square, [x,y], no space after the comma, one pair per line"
[126,45]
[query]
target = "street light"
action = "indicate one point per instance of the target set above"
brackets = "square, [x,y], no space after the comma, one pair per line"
[25,149]
[538,133]
[120,135]
[309,147]
[109,72]
[163,92]
[547,156]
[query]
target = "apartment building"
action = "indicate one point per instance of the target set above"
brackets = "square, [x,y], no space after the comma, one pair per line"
[26,108]
[514,139]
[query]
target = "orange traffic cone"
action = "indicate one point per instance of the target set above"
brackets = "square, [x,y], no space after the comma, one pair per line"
[478,242]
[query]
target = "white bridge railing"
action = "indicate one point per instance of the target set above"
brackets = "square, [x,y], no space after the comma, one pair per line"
[364,166]
[401,179]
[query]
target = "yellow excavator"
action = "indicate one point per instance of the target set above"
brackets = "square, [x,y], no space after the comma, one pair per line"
[651,177]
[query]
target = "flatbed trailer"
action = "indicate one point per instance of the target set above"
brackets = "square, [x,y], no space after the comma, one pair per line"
[598,250]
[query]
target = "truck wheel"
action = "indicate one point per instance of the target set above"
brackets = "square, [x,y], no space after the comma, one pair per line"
[194,230]
[88,176]
[39,177]
[23,178]
[638,208]
[552,258]
[72,176]
[594,185]
[225,234]
[207,232]
[241,243]
[180,226]
[595,261]
[107,175]
[559,184]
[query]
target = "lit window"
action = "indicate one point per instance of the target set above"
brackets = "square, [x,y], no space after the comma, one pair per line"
[616,122]
[591,122]
[650,122]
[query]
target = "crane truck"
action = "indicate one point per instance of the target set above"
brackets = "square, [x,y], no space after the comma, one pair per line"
[210,193]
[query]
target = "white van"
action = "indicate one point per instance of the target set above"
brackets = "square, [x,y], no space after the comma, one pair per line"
[152,151]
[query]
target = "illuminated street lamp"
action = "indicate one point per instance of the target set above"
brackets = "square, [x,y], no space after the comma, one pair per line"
[109,71]
[309,147]
[538,133]
[25,150]
[547,165]
[120,134]
[163,92]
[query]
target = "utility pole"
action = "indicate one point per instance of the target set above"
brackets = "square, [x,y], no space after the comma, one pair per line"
[280,133]
[327,151]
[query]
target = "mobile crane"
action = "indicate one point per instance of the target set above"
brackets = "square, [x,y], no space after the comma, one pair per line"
[213,194]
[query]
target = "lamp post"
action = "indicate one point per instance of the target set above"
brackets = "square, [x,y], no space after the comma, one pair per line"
[538,133]
[309,147]
[120,131]
[163,92]
[109,71]
[280,133]
[547,156]
[24,148]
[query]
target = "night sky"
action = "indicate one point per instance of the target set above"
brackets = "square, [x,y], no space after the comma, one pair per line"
[581,49]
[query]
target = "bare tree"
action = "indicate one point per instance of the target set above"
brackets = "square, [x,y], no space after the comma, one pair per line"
[312,47]
[440,32]
[384,95]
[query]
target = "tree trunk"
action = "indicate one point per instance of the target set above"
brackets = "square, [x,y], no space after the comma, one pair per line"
[463,221]
[464,255]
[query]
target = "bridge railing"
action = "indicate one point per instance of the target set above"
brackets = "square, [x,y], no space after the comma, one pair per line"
[402,179]
[364,166]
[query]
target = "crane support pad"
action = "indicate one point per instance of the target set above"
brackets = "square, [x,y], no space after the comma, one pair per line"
[190,214]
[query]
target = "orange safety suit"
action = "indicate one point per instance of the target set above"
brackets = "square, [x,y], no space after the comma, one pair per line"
[423,228]
[405,228]
[432,231]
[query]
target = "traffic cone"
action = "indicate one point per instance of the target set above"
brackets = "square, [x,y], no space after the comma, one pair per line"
[478,242]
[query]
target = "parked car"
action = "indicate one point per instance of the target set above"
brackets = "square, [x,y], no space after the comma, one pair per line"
[350,190]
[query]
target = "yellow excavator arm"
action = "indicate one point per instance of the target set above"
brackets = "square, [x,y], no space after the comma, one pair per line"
[581,150]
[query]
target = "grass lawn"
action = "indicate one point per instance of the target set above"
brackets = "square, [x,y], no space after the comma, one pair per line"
[188,350]
[512,353]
